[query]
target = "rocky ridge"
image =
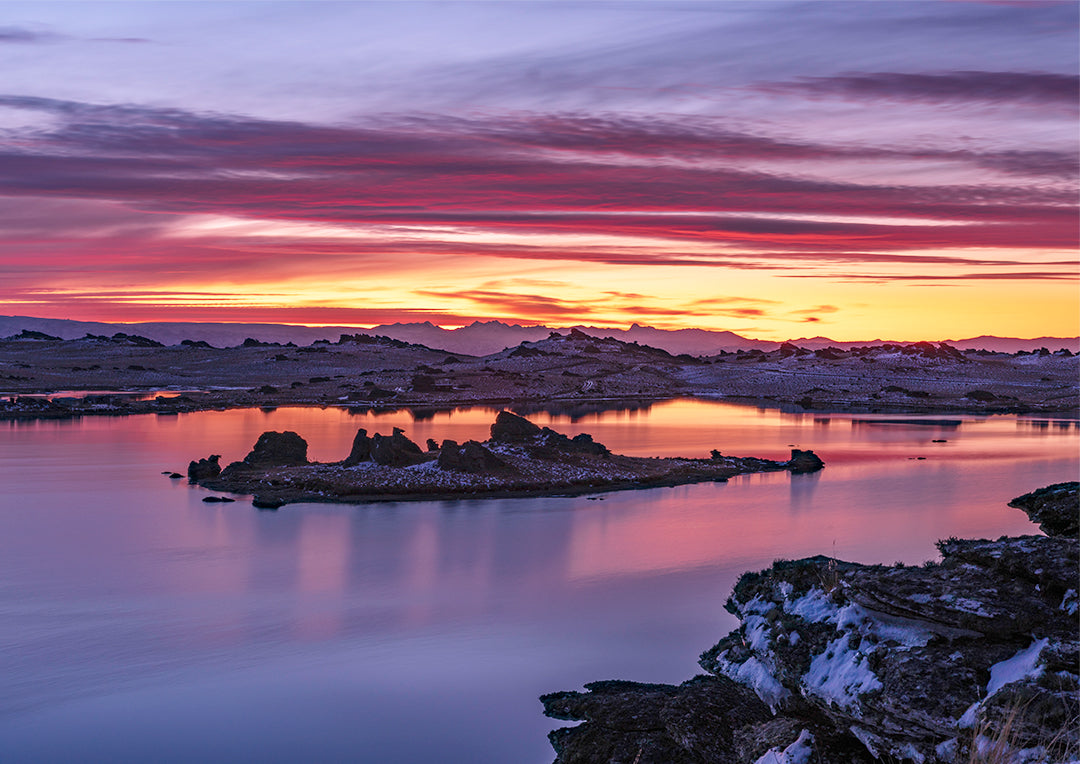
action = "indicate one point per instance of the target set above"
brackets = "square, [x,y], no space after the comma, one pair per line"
[937,664]
[128,374]
[520,459]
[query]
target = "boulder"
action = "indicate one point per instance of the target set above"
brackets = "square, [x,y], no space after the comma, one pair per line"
[511,428]
[523,351]
[551,443]
[469,457]
[204,468]
[30,334]
[361,449]
[423,383]
[804,461]
[1056,508]
[653,723]
[395,450]
[705,719]
[278,449]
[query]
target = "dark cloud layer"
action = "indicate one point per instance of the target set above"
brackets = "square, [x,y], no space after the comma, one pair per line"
[941,87]
[678,192]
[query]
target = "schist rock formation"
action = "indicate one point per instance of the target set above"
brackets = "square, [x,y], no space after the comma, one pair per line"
[841,662]
[520,459]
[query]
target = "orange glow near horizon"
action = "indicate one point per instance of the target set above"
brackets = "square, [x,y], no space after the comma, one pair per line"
[808,296]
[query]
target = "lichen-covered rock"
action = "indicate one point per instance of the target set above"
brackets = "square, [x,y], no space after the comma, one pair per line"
[1056,508]
[278,449]
[204,468]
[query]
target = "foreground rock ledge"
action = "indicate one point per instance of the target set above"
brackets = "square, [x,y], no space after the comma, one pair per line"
[520,459]
[973,659]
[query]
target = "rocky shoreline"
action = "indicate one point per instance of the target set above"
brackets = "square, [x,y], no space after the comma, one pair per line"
[971,659]
[125,374]
[520,459]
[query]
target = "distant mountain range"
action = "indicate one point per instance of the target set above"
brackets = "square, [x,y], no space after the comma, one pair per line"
[479,338]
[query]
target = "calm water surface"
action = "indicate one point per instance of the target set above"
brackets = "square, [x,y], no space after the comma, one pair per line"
[138,623]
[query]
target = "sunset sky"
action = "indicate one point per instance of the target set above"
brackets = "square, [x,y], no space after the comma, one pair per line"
[903,170]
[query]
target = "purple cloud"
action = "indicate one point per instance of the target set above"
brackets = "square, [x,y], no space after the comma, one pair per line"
[1001,87]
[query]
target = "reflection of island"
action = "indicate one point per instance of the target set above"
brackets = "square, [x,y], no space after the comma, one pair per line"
[520,459]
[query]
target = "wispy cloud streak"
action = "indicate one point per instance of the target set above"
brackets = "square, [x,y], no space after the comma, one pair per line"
[943,87]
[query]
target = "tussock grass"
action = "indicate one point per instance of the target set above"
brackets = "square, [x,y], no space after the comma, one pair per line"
[1007,739]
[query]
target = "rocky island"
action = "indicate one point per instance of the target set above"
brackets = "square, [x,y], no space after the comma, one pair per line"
[520,459]
[971,659]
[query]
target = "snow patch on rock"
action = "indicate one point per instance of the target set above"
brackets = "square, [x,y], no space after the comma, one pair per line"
[756,675]
[1023,665]
[841,674]
[815,606]
[1069,602]
[798,752]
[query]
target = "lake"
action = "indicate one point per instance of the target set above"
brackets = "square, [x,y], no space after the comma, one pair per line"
[138,623]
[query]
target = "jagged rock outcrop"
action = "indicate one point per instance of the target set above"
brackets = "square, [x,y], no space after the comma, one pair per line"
[470,457]
[905,658]
[1056,508]
[900,656]
[361,449]
[204,468]
[29,334]
[550,443]
[278,449]
[543,442]
[804,461]
[910,664]
[511,428]
[395,450]
[120,338]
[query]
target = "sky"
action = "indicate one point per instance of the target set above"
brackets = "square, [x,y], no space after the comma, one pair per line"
[858,170]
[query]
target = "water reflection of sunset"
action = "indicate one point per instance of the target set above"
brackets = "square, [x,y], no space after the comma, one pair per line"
[121,581]
[666,428]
